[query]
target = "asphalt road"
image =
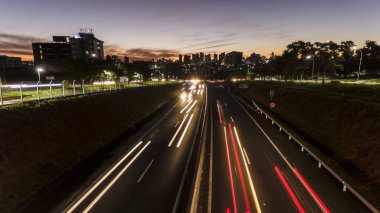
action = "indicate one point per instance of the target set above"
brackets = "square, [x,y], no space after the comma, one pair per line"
[145,176]
[247,165]
[256,169]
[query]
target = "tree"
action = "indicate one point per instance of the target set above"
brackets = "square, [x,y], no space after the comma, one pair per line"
[328,58]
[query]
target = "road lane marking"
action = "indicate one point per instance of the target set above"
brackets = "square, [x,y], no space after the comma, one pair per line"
[175,126]
[186,106]
[192,106]
[109,185]
[245,153]
[242,181]
[230,171]
[78,202]
[184,131]
[256,200]
[176,133]
[290,191]
[142,175]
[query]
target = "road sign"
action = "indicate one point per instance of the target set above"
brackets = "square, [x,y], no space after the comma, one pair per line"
[243,86]
[272,105]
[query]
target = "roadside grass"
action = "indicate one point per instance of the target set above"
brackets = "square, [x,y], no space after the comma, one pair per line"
[39,141]
[340,122]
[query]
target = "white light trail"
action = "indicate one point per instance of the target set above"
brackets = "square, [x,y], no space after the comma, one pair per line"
[176,133]
[192,106]
[184,131]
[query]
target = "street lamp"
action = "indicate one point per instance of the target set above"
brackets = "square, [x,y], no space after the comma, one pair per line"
[312,71]
[39,70]
[360,61]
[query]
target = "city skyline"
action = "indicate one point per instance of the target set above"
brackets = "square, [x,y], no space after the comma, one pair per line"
[150,29]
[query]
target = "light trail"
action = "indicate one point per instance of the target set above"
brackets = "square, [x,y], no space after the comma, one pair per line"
[192,106]
[256,200]
[88,192]
[220,116]
[287,187]
[184,131]
[311,191]
[179,129]
[230,172]
[186,106]
[142,175]
[109,185]
[248,206]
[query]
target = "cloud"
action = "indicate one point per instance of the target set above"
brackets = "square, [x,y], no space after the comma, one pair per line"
[136,54]
[20,45]
[217,45]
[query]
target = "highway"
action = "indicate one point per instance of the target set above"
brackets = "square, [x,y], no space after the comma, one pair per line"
[256,169]
[245,165]
[147,175]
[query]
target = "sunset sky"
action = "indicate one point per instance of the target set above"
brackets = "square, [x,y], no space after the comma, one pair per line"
[147,29]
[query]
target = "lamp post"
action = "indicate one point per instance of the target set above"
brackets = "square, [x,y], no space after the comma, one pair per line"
[360,61]
[312,71]
[39,70]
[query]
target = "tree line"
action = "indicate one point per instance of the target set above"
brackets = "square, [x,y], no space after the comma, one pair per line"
[306,60]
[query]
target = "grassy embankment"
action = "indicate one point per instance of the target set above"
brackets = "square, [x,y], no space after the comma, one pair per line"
[39,141]
[341,123]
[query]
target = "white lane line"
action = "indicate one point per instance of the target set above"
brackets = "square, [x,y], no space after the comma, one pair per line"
[78,202]
[245,153]
[109,185]
[256,200]
[186,107]
[142,175]
[192,106]
[176,133]
[175,126]
[184,131]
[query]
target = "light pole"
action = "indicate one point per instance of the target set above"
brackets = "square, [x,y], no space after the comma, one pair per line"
[312,71]
[360,61]
[39,70]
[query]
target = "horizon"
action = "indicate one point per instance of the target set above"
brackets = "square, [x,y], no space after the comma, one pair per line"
[168,28]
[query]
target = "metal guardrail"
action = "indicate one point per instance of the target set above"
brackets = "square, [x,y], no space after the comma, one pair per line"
[321,164]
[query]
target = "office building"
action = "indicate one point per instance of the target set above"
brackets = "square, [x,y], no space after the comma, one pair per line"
[215,57]
[82,46]
[186,59]
[180,58]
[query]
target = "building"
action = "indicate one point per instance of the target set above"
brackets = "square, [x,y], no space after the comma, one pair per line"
[222,57]
[208,58]
[82,46]
[126,60]
[85,46]
[180,58]
[10,62]
[234,58]
[215,57]
[186,59]
[201,57]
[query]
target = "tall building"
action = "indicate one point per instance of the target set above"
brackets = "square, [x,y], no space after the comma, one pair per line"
[180,58]
[215,57]
[201,57]
[85,46]
[186,59]
[222,57]
[82,46]
[208,58]
[234,58]
[8,61]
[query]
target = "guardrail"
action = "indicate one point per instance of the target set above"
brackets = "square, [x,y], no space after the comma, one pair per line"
[321,164]
[19,93]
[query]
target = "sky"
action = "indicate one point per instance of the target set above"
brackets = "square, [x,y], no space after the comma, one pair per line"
[147,29]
